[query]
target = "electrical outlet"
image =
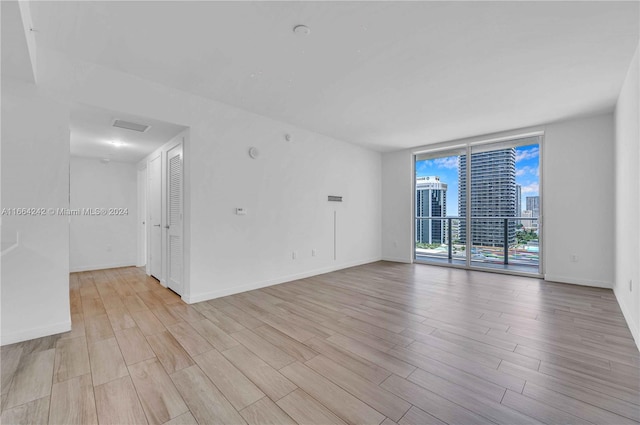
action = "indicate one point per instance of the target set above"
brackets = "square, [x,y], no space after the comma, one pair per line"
[395,244]
[293,255]
[108,248]
[574,258]
[313,252]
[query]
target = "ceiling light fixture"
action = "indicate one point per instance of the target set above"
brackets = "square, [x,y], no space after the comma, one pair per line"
[301,30]
[117,143]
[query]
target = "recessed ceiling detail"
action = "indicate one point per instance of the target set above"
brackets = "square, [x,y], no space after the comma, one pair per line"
[94,135]
[141,128]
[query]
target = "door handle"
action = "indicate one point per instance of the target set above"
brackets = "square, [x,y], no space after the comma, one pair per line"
[166,227]
[156,225]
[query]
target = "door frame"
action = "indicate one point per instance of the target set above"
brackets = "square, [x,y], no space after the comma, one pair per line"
[142,220]
[149,228]
[165,208]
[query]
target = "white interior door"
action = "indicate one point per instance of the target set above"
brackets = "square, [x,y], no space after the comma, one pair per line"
[174,218]
[155,217]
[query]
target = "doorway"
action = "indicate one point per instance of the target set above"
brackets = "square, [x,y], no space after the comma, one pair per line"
[480,206]
[165,206]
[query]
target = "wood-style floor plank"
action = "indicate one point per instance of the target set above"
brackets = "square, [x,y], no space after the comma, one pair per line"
[73,402]
[169,352]
[269,380]
[266,412]
[71,360]
[540,411]
[215,336]
[263,349]
[383,401]
[33,378]
[190,340]
[306,410]
[236,387]
[160,399]
[106,360]
[35,412]
[117,403]
[343,404]
[133,345]
[205,401]
[432,403]
[416,416]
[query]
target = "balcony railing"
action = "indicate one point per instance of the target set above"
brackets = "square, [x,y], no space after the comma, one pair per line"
[509,242]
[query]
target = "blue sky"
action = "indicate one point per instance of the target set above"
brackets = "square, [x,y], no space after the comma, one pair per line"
[527,174]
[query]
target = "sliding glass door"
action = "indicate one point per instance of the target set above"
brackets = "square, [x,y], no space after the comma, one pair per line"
[482,212]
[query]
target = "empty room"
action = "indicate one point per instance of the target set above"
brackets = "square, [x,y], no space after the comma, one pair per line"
[319,212]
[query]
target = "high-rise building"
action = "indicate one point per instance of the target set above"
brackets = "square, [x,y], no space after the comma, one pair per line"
[527,224]
[493,194]
[533,205]
[431,201]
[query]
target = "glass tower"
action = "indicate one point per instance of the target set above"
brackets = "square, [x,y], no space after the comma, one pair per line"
[431,201]
[493,194]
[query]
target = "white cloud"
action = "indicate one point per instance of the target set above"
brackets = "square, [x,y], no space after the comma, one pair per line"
[522,155]
[531,188]
[450,162]
[522,171]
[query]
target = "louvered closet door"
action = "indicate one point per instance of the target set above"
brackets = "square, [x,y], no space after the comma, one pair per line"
[174,218]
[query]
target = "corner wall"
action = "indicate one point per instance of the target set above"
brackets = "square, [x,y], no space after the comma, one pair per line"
[627,198]
[35,174]
[97,241]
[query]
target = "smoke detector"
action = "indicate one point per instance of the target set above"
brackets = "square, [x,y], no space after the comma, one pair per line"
[301,30]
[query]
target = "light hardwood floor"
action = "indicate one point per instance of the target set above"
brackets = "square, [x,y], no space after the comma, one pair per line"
[382,343]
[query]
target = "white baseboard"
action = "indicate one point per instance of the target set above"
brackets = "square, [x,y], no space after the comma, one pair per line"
[24,335]
[100,267]
[574,281]
[397,260]
[633,327]
[194,298]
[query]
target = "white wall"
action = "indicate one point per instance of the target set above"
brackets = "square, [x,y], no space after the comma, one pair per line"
[627,183]
[397,204]
[578,201]
[577,164]
[100,242]
[35,174]
[285,190]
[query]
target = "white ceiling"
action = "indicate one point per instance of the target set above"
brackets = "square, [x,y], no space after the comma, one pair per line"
[92,135]
[387,75]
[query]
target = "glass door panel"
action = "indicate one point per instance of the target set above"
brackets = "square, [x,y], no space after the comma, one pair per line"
[504,178]
[437,223]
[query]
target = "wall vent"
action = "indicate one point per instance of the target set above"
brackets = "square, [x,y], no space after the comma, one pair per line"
[142,128]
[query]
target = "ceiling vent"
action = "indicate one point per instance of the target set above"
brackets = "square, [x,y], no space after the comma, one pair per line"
[142,128]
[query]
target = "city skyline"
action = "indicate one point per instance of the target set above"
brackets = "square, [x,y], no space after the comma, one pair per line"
[446,168]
